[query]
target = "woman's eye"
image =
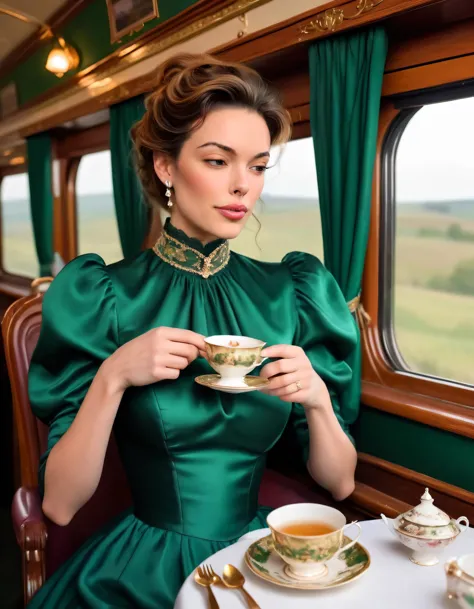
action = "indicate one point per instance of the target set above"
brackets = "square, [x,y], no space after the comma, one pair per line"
[260,168]
[216,162]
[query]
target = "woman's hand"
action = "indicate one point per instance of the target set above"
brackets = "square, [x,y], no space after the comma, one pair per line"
[292,378]
[157,355]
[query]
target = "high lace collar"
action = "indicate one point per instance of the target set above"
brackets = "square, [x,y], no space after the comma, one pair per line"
[183,238]
[189,254]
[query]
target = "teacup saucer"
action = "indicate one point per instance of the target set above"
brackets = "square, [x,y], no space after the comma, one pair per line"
[262,560]
[250,383]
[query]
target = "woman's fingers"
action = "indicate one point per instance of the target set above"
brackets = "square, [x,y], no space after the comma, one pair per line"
[282,366]
[188,337]
[175,361]
[281,382]
[190,352]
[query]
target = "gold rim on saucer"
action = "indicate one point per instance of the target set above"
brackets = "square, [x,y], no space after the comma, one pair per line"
[252,383]
[262,560]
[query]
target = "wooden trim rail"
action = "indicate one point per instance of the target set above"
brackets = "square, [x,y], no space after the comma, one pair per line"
[390,488]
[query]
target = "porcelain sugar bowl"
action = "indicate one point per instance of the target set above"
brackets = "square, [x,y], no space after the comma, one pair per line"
[460,578]
[426,530]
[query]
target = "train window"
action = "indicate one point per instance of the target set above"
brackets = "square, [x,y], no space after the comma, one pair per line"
[428,320]
[18,246]
[288,211]
[96,220]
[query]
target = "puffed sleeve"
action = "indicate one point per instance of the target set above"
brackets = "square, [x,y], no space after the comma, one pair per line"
[78,332]
[327,332]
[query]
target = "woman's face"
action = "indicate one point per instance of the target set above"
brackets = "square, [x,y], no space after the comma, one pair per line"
[219,174]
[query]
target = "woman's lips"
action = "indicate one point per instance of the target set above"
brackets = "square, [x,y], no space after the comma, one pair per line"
[233,212]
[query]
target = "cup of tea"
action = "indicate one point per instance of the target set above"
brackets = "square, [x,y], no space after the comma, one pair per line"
[307,535]
[460,580]
[233,356]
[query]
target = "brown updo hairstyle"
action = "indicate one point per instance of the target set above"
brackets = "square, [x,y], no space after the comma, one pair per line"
[189,87]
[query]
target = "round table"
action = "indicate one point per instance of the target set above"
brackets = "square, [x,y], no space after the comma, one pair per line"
[391,582]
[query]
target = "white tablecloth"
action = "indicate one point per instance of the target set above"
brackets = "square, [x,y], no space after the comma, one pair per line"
[391,582]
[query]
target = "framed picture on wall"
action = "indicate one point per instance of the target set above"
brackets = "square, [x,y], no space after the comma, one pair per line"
[126,16]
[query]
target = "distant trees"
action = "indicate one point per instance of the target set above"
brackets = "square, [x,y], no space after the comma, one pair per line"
[461,280]
[454,232]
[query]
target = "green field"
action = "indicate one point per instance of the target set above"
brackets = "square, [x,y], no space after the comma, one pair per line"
[435,332]
[434,329]
[281,232]
[417,258]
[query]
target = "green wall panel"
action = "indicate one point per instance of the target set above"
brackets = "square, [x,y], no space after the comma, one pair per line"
[89,33]
[428,450]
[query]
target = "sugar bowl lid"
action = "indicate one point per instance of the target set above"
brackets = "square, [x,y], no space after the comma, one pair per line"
[426,513]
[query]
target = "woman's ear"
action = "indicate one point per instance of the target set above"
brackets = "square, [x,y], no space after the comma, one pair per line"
[162,166]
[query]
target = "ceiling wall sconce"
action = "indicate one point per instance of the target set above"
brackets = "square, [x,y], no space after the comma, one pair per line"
[63,57]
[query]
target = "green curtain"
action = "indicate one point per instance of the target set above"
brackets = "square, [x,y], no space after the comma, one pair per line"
[346,74]
[39,151]
[130,207]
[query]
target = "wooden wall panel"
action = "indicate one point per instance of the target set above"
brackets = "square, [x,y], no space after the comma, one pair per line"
[405,486]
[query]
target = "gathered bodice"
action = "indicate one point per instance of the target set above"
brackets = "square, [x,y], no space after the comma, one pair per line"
[194,456]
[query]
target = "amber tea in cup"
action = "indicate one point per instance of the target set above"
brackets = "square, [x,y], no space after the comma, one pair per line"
[307,529]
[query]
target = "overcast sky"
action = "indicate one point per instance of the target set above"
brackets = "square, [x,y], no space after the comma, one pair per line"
[435,161]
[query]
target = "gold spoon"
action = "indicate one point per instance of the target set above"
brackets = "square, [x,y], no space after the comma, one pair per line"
[204,578]
[233,578]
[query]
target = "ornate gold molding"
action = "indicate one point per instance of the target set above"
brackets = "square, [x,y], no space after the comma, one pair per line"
[237,9]
[99,82]
[197,27]
[131,55]
[331,19]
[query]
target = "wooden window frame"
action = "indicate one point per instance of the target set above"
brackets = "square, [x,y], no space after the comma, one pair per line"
[69,151]
[442,59]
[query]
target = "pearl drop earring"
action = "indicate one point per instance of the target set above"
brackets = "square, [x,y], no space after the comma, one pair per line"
[168,193]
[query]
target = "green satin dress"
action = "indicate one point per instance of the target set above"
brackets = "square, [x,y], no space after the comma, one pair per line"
[193,456]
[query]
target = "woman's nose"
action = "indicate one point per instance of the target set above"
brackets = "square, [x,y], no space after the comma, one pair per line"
[240,186]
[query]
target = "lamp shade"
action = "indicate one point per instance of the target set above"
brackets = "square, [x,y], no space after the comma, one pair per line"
[61,59]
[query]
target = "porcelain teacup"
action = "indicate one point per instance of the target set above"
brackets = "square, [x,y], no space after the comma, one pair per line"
[233,357]
[460,576]
[306,556]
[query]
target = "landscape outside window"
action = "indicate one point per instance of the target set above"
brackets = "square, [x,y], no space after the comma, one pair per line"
[19,254]
[289,208]
[97,228]
[433,314]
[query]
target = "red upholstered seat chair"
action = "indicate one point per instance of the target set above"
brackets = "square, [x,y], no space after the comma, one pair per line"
[44,545]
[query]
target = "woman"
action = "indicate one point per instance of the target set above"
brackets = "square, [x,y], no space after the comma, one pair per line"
[121,345]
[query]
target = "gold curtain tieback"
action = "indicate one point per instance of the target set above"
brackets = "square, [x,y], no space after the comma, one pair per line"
[363,318]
